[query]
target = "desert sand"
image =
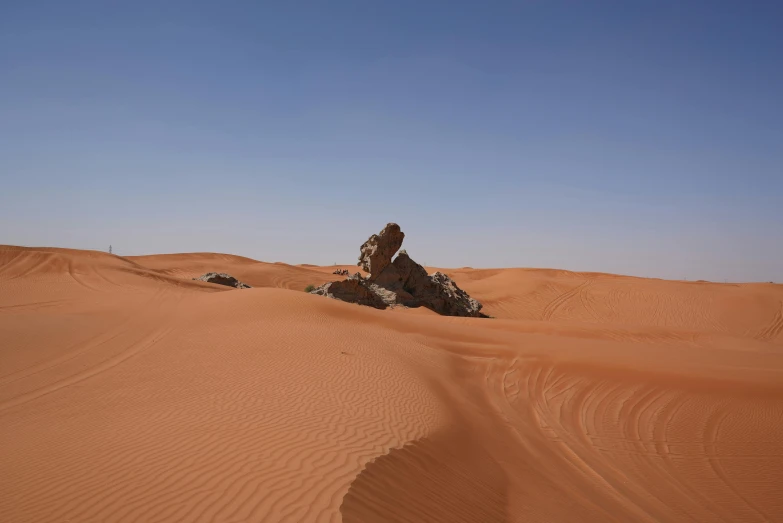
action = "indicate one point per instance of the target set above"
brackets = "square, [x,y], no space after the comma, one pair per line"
[130,393]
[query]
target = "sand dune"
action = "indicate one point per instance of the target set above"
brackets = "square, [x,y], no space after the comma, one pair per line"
[129,392]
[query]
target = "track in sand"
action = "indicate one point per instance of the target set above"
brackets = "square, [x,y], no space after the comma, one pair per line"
[129,392]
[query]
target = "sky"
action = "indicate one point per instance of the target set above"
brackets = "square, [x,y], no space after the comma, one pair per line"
[641,138]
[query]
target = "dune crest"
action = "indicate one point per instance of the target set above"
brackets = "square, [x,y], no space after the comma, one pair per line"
[130,392]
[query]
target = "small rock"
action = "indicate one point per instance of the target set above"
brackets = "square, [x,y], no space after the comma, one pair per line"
[221,278]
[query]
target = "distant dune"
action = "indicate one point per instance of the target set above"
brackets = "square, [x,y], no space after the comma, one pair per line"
[131,393]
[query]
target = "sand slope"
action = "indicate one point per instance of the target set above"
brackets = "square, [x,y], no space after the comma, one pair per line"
[129,392]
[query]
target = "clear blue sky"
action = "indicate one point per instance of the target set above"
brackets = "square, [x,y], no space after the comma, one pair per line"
[634,137]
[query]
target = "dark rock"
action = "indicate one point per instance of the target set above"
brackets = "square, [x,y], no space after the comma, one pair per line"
[222,278]
[413,275]
[443,296]
[353,290]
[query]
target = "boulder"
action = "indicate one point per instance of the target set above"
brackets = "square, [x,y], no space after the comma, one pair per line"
[442,295]
[378,251]
[352,290]
[222,278]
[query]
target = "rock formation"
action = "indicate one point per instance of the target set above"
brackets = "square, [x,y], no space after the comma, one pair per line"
[353,289]
[222,278]
[399,282]
[378,250]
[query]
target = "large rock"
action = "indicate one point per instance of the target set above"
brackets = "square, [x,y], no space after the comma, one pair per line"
[353,290]
[442,295]
[221,278]
[413,287]
[413,275]
[399,282]
[378,251]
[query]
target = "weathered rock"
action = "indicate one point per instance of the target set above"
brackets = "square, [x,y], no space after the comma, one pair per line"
[389,278]
[413,275]
[222,278]
[443,296]
[378,251]
[390,285]
[399,282]
[353,290]
[413,287]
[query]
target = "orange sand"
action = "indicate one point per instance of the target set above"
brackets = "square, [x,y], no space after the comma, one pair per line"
[130,393]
